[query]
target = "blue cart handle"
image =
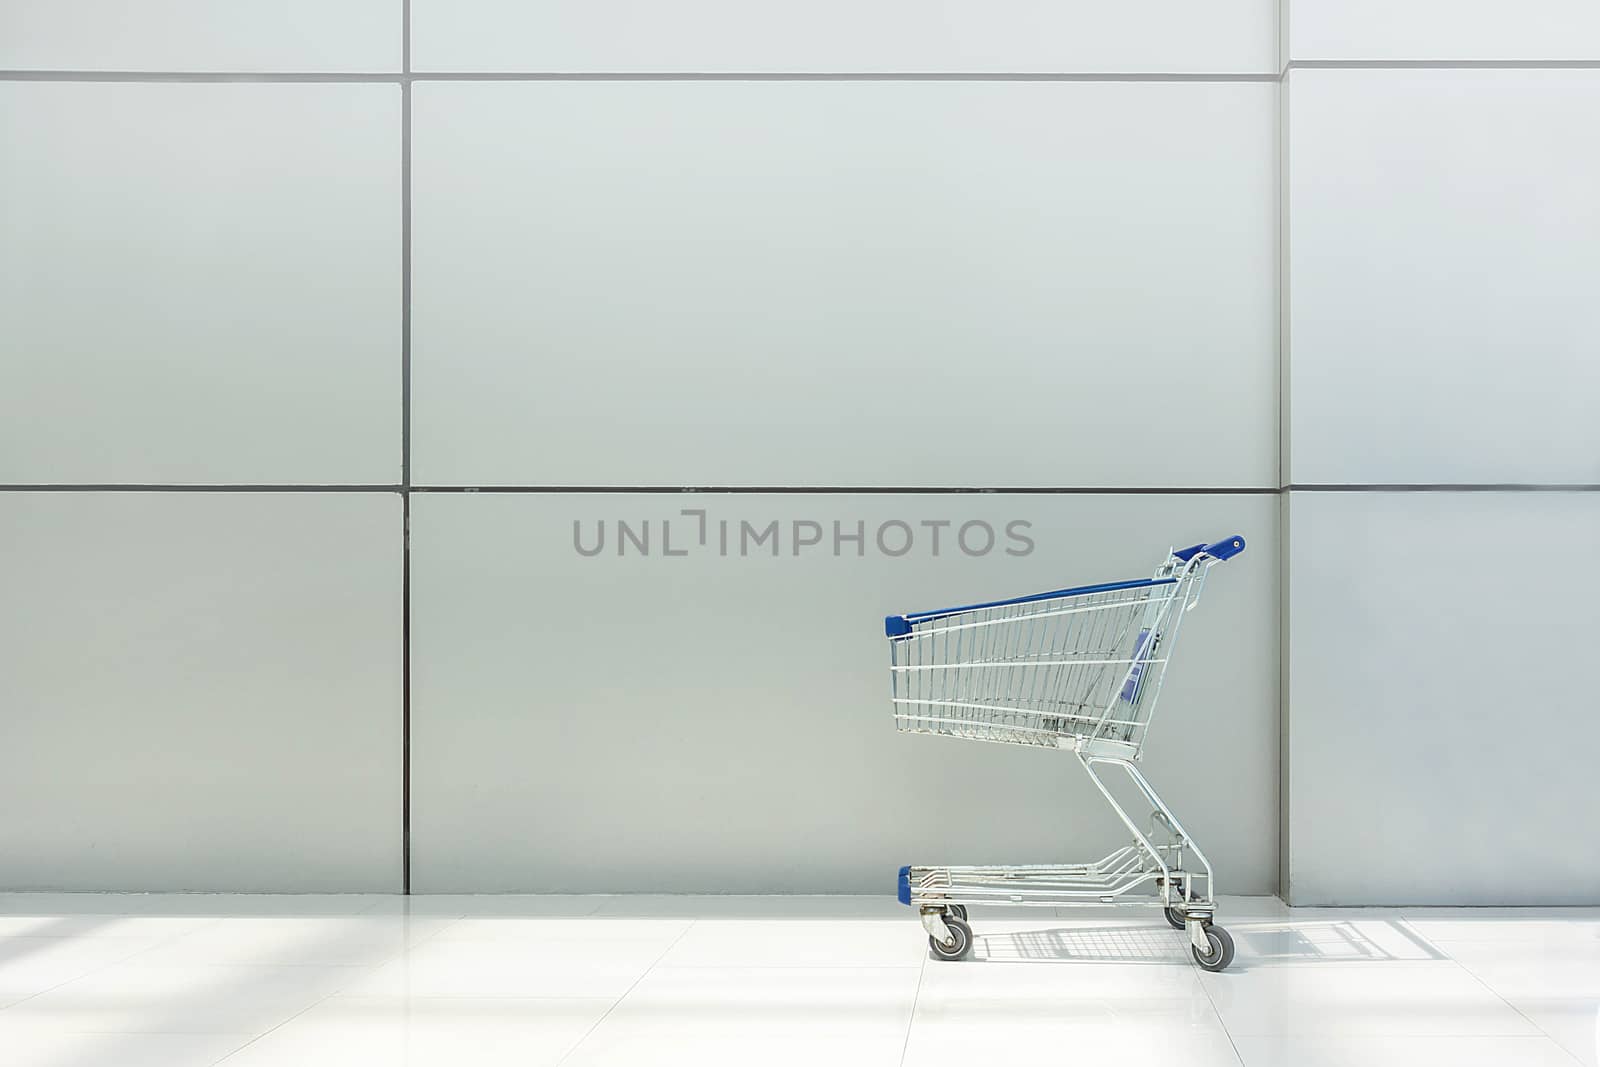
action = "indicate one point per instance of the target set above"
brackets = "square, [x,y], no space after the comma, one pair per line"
[1226,548]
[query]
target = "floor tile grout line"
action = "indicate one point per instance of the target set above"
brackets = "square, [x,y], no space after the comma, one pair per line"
[177,937]
[368,969]
[1226,1032]
[273,1029]
[240,1048]
[916,997]
[787,966]
[213,921]
[150,1033]
[576,1045]
[97,968]
[413,997]
[1469,972]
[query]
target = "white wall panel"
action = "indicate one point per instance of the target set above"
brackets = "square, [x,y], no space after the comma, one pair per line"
[1442,723]
[1230,36]
[201,691]
[201,35]
[1444,237]
[1443,29]
[701,722]
[845,283]
[201,283]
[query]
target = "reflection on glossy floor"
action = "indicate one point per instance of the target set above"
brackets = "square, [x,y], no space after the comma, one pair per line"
[169,981]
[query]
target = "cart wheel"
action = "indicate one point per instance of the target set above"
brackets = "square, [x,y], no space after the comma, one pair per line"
[958,910]
[1221,953]
[1175,915]
[960,945]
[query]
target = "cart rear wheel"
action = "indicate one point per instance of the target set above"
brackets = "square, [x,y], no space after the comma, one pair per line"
[960,943]
[1221,953]
[1175,915]
[958,910]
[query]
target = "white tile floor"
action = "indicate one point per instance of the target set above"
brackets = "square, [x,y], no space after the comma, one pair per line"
[171,981]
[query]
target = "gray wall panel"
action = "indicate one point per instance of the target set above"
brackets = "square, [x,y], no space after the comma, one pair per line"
[1441,748]
[845,283]
[201,283]
[721,724]
[170,35]
[201,691]
[1444,242]
[843,35]
[1443,29]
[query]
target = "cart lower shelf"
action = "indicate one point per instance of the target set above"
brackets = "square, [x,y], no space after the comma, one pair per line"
[943,894]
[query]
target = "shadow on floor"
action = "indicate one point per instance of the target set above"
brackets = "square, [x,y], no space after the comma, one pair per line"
[1258,943]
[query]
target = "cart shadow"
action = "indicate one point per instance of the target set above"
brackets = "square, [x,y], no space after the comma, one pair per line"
[1259,943]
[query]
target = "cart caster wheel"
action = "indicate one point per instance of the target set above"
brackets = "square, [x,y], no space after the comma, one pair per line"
[1175,915]
[958,910]
[1221,953]
[961,944]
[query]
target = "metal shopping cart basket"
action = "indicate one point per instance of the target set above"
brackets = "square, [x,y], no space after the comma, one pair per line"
[1076,669]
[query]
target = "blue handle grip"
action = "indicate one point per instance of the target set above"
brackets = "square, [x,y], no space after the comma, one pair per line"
[1226,548]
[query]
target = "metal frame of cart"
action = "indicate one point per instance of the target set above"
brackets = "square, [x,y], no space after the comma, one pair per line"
[1078,669]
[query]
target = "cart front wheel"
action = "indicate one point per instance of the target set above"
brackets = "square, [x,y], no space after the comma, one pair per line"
[961,940]
[1221,949]
[958,910]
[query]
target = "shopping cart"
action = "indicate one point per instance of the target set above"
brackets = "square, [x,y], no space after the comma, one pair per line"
[1077,669]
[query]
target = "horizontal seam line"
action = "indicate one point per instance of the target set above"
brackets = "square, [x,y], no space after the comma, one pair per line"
[206,487]
[398,77]
[1022,489]
[1444,487]
[1443,64]
[856,490]
[384,77]
[802,490]
[160,487]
